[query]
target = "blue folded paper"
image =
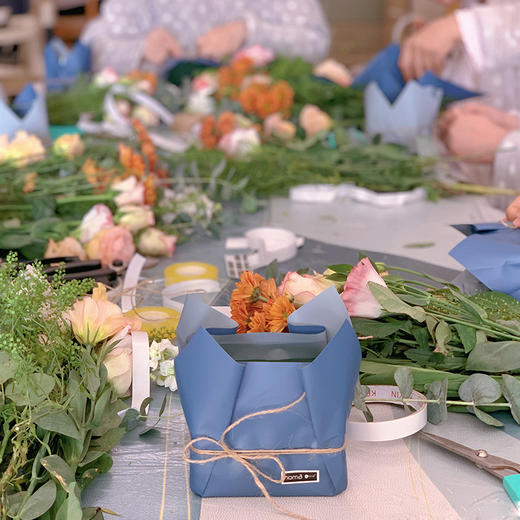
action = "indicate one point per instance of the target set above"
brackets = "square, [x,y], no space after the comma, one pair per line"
[63,66]
[217,387]
[28,113]
[384,70]
[491,252]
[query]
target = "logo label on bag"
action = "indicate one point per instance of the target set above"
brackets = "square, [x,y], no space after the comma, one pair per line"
[302,477]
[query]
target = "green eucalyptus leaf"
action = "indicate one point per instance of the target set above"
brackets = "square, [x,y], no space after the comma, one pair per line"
[271,270]
[39,502]
[56,420]
[7,367]
[60,470]
[431,324]
[498,356]
[93,513]
[77,397]
[511,390]
[111,418]
[437,412]
[90,456]
[14,241]
[442,337]
[468,337]
[340,268]
[485,417]
[390,302]
[130,420]
[100,466]
[109,440]
[376,329]
[361,392]
[71,508]
[481,389]
[33,391]
[404,379]
[14,503]
[100,408]
[43,207]
[144,406]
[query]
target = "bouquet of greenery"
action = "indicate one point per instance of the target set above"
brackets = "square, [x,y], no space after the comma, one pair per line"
[59,396]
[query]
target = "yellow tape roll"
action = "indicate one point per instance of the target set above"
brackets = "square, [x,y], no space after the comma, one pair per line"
[184,271]
[156,318]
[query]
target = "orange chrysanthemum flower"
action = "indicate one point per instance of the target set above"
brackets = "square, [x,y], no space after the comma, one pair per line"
[150,191]
[278,313]
[240,313]
[131,161]
[258,322]
[268,289]
[263,100]
[225,123]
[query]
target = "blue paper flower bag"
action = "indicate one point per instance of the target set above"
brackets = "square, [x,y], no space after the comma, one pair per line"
[266,410]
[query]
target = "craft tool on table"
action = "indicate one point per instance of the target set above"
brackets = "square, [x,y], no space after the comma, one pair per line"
[504,469]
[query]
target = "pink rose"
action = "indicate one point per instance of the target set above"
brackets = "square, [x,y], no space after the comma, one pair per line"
[67,247]
[135,218]
[97,218]
[131,191]
[205,82]
[115,243]
[153,242]
[300,289]
[260,56]
[240,142]
[334,71]
[313,120]
[277,126]
[357,296]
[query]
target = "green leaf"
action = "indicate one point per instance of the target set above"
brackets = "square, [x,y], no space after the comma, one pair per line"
[90,457]
[431,324]
[14,502]
[76,396]
[39,502]
[442,337]
[36,388]
[93,513]
[511,390]
[109,440]
[422,337]
[376,329]
[71,509]
[101,406]
[486,418]
[498,356]
[437,412]
[13,241]
[481,389]
[144,406]
[271,270]
[43,207]
[468,337]
[340,268]
[7,367]
[249,203]
[360,394]
[131,420]
[100,466]
[404,379]
[472,308]
[111,418]
[54,420]
[336,277]
[60,470]
[392,303]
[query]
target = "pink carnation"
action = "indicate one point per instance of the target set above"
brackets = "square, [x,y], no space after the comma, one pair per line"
[115,243]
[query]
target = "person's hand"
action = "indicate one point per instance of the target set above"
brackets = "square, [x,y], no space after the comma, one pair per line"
[472,137]
[160,45]
[501,118]
[513,212]
[428,48]
[222,40]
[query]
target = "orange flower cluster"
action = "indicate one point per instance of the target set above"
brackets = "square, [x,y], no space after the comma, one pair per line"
[263,100]
[96,175]
[257,307]
[231,76]
[213,129]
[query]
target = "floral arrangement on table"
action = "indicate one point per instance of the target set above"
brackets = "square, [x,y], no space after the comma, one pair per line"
[423,333]
[63,355]
[97,201]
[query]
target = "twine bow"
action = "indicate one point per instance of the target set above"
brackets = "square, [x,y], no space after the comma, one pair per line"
[247,457]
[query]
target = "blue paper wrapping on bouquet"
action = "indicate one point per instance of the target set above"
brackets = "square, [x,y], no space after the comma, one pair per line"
[217,387]
[63,66]
[384,70]
[491,252]
[28,113]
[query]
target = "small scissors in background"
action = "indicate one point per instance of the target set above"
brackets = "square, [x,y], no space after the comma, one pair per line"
[506,470]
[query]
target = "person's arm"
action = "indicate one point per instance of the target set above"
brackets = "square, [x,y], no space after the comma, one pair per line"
[491,35]
[289,27]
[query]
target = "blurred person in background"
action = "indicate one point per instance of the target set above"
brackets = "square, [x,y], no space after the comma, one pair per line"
[132,33]
[478,47]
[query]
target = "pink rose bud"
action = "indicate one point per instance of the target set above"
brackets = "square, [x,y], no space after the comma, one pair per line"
[313,120]
[240,142]
[300,289]
[97,218]
[135,218]
[131,191]
[153,242]
[277,126]
[357,296]
[334,71]
[260,56]
[115,243]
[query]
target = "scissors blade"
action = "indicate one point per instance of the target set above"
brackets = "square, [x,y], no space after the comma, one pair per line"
[497,466]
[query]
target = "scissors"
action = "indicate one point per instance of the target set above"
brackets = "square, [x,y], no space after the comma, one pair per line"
[504,469]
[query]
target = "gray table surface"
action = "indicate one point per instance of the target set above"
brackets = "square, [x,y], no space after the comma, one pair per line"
[149,478]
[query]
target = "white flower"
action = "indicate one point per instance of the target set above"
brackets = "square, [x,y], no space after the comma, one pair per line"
[108,76]
[97,218]
[131,191]
[201,103]
[240,142]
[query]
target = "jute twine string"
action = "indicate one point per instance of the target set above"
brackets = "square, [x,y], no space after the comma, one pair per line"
[245,457]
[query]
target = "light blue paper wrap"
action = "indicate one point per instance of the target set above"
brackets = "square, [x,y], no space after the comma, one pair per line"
[491,252]
[217,387]
[29,113]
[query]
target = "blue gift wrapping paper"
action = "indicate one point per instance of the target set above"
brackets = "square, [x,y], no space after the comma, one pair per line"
[217,387]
